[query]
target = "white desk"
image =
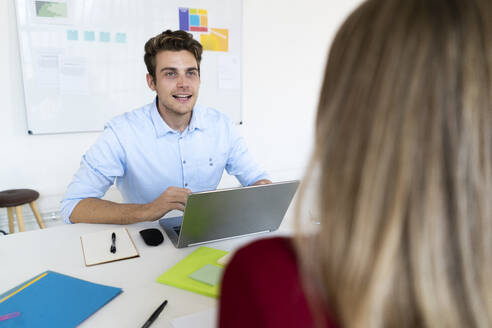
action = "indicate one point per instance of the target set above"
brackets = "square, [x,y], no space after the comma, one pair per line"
[24,255]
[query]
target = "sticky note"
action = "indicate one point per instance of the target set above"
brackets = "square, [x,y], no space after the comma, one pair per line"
[104,36]
[72,35]
[209,274]
[120,37]
[89,36]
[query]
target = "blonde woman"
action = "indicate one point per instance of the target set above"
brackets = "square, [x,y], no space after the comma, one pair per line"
[403,148]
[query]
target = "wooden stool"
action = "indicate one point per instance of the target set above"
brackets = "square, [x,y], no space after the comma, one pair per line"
[15,198]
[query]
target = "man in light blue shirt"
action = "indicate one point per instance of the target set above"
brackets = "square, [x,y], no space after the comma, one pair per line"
[160,153]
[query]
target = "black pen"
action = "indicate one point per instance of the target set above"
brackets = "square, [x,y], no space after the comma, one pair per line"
[112,249]
[155,315]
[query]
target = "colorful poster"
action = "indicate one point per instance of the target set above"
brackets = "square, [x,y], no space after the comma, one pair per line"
[193,20]
[196,20]
[51,9]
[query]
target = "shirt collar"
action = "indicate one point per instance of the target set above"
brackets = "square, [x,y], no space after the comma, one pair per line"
[160,126]
[197,121]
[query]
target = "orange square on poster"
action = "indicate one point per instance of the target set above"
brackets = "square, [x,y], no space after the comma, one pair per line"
[203,21]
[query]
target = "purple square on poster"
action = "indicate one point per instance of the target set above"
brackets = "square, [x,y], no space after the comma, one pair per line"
[184,21]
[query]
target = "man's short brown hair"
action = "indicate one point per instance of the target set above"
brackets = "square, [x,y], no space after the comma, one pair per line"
[172,41]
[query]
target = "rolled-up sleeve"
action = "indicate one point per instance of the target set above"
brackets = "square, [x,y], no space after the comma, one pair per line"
[241,163]
[100,166]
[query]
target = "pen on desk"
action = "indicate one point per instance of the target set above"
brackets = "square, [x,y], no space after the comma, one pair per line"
[112,249]
[154,315]
[9,316]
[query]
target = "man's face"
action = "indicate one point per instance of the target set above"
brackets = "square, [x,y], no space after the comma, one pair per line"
[176,82]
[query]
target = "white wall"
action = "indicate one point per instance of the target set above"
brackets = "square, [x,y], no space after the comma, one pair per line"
[285,46]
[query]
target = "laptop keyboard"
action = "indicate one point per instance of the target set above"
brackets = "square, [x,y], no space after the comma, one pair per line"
[177,229]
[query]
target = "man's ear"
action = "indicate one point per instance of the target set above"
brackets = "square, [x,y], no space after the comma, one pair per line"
[150,81]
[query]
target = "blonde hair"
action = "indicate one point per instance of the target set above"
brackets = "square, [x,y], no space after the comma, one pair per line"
[403,149]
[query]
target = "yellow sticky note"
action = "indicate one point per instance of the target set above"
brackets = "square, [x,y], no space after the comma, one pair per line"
[217,40]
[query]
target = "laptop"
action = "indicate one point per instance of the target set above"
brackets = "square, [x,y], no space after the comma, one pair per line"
[216,215]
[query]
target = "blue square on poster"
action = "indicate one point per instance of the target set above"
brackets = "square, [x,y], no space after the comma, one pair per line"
[89,35]
[104,37]
[72,35]
[120,37]
[194,20]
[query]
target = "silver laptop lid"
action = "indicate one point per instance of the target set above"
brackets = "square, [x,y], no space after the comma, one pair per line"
[225,213]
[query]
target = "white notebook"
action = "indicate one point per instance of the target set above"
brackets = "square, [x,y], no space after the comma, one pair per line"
[96,246]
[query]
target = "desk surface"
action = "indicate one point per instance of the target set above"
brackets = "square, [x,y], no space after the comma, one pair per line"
[26,254]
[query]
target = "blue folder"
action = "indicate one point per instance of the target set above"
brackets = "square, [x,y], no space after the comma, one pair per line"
[52,299]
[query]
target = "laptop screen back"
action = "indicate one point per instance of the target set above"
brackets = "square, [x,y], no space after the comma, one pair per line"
[226,213]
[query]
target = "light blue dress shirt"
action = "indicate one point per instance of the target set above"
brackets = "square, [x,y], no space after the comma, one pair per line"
[145,157]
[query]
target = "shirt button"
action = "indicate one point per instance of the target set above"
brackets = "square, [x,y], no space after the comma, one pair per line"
[186,185]
[211,164]
[184,162]
[210,159]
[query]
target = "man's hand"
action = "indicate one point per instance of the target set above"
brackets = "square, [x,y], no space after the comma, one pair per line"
[95,210]
[173,198]
[262,182]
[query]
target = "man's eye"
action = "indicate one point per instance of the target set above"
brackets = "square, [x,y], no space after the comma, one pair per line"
[170,74]
[191,73]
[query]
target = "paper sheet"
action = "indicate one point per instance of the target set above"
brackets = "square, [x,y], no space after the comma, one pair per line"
[74,77]
[47,68]
[203,319]
[229,72]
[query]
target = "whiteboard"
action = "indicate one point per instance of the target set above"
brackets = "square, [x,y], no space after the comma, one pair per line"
[82,60]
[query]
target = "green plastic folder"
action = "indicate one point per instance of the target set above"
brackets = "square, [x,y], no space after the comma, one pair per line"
[178,275]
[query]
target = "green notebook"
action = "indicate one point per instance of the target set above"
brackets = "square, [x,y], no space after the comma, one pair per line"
[179,275]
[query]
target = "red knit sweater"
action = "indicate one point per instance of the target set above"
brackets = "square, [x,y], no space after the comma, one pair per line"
[261,288]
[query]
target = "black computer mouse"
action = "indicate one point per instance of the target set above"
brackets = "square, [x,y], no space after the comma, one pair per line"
[152,236]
